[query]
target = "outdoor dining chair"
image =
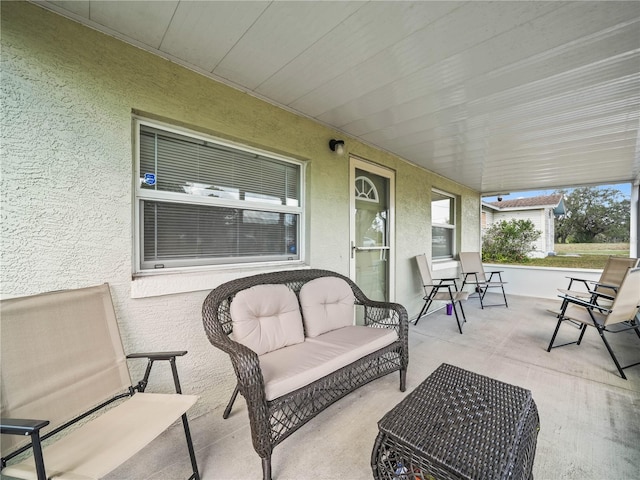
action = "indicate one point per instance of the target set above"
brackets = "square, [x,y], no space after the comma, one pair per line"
[619,317]
[474,274]
[433,291]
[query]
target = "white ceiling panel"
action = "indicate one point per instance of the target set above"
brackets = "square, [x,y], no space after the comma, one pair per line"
[203,33]
[78,7]
[499,96]
[370,30]
[289,28]
[146,21]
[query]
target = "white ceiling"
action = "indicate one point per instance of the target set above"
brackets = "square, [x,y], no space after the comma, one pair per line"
[499,96]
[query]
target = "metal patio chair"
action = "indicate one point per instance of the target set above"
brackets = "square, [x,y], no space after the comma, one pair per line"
[63,363]
[474,274]
[433,293]
[614,271]
[612,275]
[620,316]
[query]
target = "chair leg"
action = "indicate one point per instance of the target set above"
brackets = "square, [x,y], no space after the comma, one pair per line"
[422,312]
[582,332]
[455,311]
[37,456]
[266,468]
[464,317]
[615,360]
[192,455]
[234,395]
[504,295]
[555,332]
[403,379]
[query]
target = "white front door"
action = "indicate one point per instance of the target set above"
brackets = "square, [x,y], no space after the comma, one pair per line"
[372,229]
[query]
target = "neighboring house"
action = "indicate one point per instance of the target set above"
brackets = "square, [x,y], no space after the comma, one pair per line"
[542,211]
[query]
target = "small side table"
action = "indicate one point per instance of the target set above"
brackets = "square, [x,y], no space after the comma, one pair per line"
[458,425]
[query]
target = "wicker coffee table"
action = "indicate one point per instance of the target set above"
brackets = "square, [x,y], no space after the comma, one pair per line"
[458,425]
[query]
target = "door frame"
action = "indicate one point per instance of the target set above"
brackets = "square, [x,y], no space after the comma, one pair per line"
[390,175]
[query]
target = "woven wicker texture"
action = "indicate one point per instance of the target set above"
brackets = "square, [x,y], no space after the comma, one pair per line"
[458,425]
[273,421]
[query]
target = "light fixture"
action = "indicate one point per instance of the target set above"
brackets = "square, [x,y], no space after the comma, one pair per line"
[336,146]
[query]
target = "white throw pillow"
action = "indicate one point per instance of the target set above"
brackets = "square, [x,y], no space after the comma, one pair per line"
[266,318]
[327,304]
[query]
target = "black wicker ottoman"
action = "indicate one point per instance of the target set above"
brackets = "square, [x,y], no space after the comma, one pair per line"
[458,424]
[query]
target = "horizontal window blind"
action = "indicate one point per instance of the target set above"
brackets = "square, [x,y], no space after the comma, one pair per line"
[185,165]
[181,227]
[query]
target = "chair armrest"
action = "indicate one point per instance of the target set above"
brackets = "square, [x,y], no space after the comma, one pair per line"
[606,296]
[21,426]
[584,303]
[31,428]
[577,279]
[474,280]
[605,285]
[385,314]
[158,355]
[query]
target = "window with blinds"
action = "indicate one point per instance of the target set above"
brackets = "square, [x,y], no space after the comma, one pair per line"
[205,202]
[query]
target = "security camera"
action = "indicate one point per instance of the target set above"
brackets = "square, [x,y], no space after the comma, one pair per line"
[499,199]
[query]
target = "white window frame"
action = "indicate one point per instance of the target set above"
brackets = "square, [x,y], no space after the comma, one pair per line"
[451,225]
[141,194]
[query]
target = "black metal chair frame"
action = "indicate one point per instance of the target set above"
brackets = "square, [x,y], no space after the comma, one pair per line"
[590,307]
[274,420]
[481,288]
[429,298]
[31,428]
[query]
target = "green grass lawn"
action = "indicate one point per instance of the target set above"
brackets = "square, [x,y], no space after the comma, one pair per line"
[581,255]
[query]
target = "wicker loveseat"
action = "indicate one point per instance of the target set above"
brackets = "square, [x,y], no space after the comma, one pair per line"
[305,351]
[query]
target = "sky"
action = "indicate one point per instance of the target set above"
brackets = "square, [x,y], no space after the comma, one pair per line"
[625,188]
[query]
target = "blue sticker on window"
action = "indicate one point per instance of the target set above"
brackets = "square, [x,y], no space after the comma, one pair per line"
[150,178]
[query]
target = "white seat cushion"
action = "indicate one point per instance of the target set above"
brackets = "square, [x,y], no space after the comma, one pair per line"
[266,318]
[327,304]
[290,368]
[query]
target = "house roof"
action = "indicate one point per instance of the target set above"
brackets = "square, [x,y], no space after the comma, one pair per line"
[554,202]
[537,202]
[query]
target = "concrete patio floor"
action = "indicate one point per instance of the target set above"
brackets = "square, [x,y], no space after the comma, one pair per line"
[590,417]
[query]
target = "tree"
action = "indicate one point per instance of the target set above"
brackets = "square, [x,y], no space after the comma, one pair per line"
[509,241]
[594,214]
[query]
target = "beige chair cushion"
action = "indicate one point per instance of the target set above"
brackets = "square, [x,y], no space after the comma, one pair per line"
[266,318]
[327,304]
[101,445]
[294,367]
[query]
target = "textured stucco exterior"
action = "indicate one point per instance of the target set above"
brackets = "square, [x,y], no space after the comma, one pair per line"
[68,97]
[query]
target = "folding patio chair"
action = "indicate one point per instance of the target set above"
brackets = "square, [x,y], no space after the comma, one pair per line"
[474,274]
[621,313]
[63,363]
[432,291]
[614,271]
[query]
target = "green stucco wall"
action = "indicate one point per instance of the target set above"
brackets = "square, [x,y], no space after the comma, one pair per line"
[68,95]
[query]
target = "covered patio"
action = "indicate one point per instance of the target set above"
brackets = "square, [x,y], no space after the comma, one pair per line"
[507,97]
[589,423]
